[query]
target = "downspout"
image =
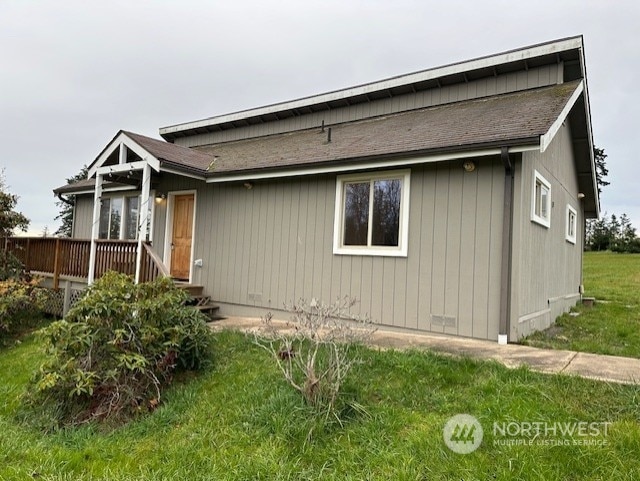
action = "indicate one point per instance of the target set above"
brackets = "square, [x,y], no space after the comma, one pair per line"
[66,201]
[507,248]
[72,203]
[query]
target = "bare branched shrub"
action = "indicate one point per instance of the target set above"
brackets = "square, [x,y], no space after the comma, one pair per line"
[314,350]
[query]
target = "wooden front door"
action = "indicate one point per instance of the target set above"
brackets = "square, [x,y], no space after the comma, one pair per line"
[182,233]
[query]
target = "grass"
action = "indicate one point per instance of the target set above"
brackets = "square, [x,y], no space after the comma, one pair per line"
[241,421]
[612,326]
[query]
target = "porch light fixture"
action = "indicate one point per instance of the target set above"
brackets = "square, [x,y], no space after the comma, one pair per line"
[469,165]
[160,197]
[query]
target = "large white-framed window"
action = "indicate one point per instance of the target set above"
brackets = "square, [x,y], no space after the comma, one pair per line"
[120,216]
[572,224]
[372,214]
[541,200]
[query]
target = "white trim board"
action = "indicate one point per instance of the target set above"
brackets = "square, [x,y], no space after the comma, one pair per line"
[382,164]
[106,189]
[547,138]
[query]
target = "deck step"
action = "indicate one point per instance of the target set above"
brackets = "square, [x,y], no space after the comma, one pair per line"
[210,310]
[207,307]
[198,300]
[194,290]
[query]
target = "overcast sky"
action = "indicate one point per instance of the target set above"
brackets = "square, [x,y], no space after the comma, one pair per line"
[76,72]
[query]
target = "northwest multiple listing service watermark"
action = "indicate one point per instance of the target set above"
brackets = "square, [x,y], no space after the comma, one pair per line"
[463,433]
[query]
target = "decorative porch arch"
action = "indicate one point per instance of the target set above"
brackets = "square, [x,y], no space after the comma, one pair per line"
[100,169]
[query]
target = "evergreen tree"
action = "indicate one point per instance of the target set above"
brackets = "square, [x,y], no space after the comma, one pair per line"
[601,168]
[10,220]
[66,208]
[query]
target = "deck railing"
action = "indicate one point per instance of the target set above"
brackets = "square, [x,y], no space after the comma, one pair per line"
[70,257]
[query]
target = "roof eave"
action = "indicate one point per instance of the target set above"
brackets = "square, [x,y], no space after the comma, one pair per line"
[380,161]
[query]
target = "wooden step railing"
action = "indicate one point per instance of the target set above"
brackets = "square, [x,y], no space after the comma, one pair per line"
[151,266]
[70,257]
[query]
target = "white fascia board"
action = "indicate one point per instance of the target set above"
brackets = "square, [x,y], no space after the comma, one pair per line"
[547,138]
[484,62]
[587,106]
[104,189]
[181,173]
[369,165]
[114,145]
[110,149]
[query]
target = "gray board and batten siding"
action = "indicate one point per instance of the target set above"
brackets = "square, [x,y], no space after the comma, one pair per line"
[547,269]
[273,244]
[504,83]
[82,216]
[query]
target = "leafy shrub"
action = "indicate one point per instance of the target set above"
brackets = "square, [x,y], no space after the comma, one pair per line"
[117,349]
[19,299]
[11,267]
[315,351]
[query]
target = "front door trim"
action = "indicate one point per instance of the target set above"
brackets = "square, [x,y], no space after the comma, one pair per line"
[168,228]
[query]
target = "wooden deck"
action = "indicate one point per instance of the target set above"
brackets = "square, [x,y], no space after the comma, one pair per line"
[70,257]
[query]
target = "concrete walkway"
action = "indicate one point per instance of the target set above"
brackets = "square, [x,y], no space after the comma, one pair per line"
[592,366]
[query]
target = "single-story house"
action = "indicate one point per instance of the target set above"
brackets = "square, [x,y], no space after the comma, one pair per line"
[450,200]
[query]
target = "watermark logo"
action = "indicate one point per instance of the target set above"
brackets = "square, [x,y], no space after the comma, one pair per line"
[550,433]
[462,433]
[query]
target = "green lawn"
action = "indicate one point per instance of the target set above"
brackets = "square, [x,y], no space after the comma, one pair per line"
[241,421]
[613,325]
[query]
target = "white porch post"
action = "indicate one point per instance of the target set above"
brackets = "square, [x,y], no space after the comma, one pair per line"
[95,229]
[144,216]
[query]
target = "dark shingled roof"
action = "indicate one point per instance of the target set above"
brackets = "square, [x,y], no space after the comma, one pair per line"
[173,154]
[517,118]
[506,119]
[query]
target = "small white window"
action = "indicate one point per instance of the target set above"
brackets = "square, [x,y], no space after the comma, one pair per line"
[541,200]
[572,224]
[372,214]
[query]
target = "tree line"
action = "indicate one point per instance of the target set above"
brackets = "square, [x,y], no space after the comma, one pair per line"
[609,232]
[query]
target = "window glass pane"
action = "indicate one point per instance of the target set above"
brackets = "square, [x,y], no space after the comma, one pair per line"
[131,226]
[386,212]
[116,218]
[103,229]
[537,198]
[356,213]
[544,199]
[148,231]
[572,224]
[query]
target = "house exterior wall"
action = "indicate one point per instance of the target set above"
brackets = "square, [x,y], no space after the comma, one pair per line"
[547,269]
[271,245]
[82,217]
[503,83]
